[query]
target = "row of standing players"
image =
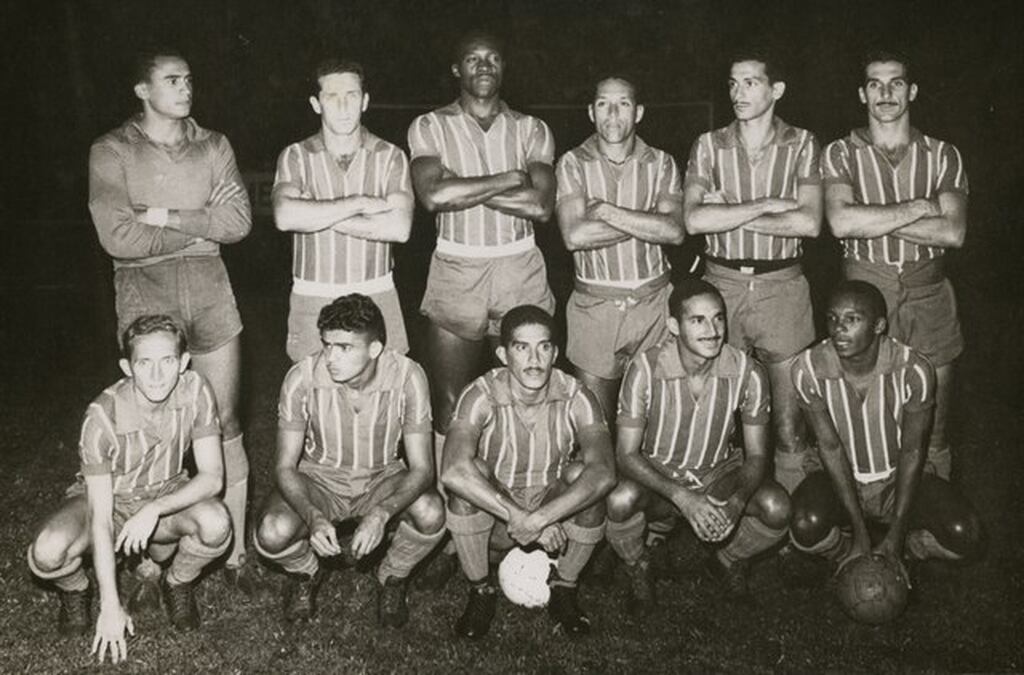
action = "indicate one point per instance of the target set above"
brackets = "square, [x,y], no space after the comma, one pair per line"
[655,369]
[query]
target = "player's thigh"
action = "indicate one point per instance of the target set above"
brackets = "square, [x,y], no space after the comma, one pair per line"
[781,317]
[140,291]
[303,336]
[593,324]
[208,519]
[211,313]
[626,499]
[770,504]
[222,369]
[816,509]
[452,362]
[933,326]
[458,294]
[591,516]
[948,515]
[64,534]
[460,506]
[520,279]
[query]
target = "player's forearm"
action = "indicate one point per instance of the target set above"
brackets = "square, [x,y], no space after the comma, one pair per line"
[123,237]
[934,231]
[590,487]
[584,235]
[465,481]
[296,214]
[523,202]
[203,485]
[750,476]
[860,221]
[294,491]
[841,474]
[104,560]
[800,222]
[716,218]
[224,223]
[909,467]
[454,193]
[391,226]
[638,469]
[657,228]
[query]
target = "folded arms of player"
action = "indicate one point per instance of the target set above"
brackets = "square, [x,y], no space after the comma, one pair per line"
[526,194]
[387,218]
[708,213]
[592,223]
[939,221]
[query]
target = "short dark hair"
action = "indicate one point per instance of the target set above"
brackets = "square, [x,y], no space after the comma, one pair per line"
[630,79]
[354,313]
[884,56]
[476,35]
[338,66]
[524,315]
[774,69]
[146,58]
[862,290]
[689,288]
[148,324]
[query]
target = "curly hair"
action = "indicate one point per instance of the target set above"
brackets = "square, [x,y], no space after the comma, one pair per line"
[354,313]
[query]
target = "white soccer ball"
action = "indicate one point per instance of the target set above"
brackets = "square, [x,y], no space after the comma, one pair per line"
[523,577]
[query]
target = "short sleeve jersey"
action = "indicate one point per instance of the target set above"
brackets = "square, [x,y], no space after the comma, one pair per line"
[680,433]
[142,449]
[521,454]
[928,168]
[647,177]
[513,141]
[377,169]
[720,164]
[355,431]
[869,428]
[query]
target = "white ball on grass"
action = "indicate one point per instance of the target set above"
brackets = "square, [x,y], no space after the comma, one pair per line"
[523,577]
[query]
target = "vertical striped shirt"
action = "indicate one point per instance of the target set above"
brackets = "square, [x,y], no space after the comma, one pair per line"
[521,454]
[682,434]
[513,141]
[355,431]
[140,449]
[719,163]
[377,169]
[869,428]
[928,168]
[648,176]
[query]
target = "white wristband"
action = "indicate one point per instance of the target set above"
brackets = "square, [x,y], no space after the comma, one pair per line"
[156,216]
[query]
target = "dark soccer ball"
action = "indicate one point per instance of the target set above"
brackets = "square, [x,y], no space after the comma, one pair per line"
[872,589]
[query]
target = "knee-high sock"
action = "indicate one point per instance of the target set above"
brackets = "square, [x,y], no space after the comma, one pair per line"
[751,537]
[193,555]
[789,469]
[236,494]
[298,558]
[582,542]
[449,546]
[70,577]
[834,546]
[939,461]
[408,547]
[471,535]
[626,538]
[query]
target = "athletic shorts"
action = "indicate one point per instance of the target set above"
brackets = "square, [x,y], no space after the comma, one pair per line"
[304,310]
[720,481]
[340,494]
[127,504]
[608,326]
[877,499]
[921,304]
[468,296]
[194,291]
[769,314]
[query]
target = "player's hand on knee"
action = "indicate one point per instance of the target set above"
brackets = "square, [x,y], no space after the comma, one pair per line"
[323,538]
[553,538]
[111,625]
[703,516]
[369,533]
[729,511]
[134,536]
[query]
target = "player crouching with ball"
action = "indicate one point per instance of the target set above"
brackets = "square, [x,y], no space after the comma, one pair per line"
[133,494]
[514,475]
[341,414]
[869,399]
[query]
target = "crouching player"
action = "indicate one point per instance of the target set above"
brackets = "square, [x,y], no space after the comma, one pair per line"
[133,494]
[675,420]
[341,416]
[869,399]
[510,456]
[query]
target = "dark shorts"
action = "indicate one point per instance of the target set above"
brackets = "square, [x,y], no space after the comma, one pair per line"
[468,296]
[194,291]
[719,481]
[609,326]
[769,314]
[341,495]
[921,304]
[304,310]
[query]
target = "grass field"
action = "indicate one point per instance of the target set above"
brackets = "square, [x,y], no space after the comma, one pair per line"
[59,357]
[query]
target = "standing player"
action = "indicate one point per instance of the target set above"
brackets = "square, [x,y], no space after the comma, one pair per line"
[619,200]
[164,194]
[342,414]
[753,189]
[898,199]
[510,457]
[869,400]
[346,196]
[133,494]
[676,417]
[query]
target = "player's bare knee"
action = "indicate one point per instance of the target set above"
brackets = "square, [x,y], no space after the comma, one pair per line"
[965,536]
[623,502]
[213,522]
[808,527]
[427,512]
[592,516]
[460,506]
[275,532]
[774,506]
[50,550]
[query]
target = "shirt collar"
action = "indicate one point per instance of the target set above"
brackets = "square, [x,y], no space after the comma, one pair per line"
[367,142]
[861,137]
[892,355]
[455,108]
[784,134]
[558,386]
[322,377]
[128,418]
[590,150]
[133,127]
[669,364]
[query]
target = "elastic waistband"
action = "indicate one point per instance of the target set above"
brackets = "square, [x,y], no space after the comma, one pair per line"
[172,259]
[319,289]
[501,250]
[791,271]
[602,291]
[750,266]
[869,478]
[918,273]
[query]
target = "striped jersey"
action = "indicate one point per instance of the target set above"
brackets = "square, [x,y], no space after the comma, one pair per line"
[513,141]
[144,449]
[870,429]
[720,164]
[357,431]
[519,453]
[377,169]
[682,434]
[646,177]
[928,167]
